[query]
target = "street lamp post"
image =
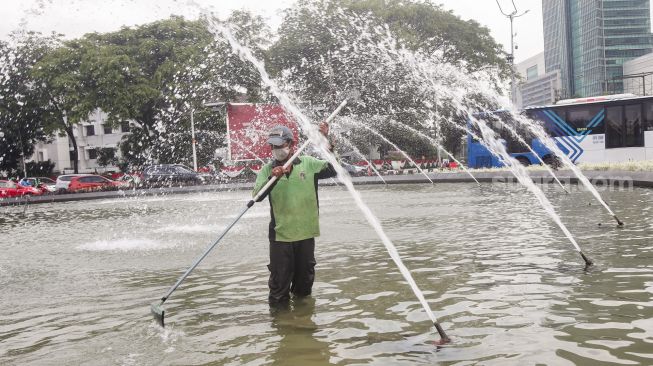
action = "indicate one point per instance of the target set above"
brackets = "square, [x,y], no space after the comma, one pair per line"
[192,133]
[22,152]
[511,57]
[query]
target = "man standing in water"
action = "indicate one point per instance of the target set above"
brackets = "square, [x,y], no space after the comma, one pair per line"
[294,211]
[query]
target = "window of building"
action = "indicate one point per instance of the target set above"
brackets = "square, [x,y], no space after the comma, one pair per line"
[107,130]
[124,127]
[531,72]
[90,130]
[92,154]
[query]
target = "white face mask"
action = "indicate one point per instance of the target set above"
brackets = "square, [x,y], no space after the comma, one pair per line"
[281,154]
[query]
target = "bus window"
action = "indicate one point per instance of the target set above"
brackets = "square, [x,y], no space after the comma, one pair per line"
[648,116]
[614,127]
[580,118]
[506,126]
[634,134]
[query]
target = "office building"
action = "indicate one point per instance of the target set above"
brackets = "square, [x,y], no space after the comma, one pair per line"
[589,40]
[537,87]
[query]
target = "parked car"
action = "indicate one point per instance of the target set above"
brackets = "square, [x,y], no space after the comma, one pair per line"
[132,180]
[354,170]
[88,183]
[46,185]
[10,188]
[168,174]
[63,181]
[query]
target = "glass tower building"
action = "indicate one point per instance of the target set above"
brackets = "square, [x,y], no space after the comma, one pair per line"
[589,40]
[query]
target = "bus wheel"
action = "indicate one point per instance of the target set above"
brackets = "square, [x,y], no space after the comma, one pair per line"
[523,161]
[552,161]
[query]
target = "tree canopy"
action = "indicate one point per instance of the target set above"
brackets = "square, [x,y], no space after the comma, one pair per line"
[373,46]
[22,99]
[155,76]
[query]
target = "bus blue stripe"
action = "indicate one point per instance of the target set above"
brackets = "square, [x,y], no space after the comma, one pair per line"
[595,121]
[557,120]
[552,126]
[575,149]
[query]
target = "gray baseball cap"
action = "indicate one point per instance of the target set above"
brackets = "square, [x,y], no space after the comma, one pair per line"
[279,135]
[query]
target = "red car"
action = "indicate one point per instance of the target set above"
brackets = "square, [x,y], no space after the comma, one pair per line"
[11,189]
[89,183]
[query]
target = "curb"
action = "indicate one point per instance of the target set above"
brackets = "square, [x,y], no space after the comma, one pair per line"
[609,178]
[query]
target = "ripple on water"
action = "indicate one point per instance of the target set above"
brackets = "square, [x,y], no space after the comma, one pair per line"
[504,283]
[125,245]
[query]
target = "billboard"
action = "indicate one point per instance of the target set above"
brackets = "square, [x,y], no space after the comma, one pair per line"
[248,126]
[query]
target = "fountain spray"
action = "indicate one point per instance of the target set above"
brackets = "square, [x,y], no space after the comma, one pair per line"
[538,131]
[321,142]
[156,308]
[435,142]
[521,140]
[522,175]
[397,147]
[369,163]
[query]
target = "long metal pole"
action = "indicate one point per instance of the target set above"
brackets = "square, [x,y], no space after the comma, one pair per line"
[157,308]
[192,132]
[512,62]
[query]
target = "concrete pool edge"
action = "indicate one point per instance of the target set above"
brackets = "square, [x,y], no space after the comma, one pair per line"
[614,178]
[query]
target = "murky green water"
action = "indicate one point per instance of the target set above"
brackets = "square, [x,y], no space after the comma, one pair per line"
[77,280]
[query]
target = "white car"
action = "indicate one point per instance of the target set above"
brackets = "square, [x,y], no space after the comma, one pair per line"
[44,182]
[63,181]
[354,170]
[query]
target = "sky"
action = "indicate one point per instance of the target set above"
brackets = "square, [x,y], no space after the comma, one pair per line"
[77,17]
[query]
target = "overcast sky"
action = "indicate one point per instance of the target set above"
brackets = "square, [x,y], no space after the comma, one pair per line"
[76,17]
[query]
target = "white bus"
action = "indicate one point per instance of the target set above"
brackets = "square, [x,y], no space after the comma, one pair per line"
[614,128]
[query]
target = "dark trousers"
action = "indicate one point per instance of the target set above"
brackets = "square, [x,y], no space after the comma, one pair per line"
[292,269]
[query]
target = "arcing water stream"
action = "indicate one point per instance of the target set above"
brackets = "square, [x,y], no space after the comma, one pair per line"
[538,131]
[498,277]
[376,133]
[435,142]
[459,86]
[321,143]
[362,156]
[522,175]
[519,138]
[460,89]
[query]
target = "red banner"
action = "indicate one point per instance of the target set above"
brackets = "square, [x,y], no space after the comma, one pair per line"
[248,126]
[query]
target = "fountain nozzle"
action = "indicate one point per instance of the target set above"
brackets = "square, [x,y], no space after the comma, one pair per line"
[619,222]
[443,336]
[588,262]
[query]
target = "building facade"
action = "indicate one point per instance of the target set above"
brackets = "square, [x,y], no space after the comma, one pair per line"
[638,75]
[91,136]
[588,41]
[537,87]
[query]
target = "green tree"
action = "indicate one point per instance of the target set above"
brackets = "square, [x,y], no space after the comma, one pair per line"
[21,98]
[376,47]
[107,156]
[156,74]
[426,26]
[69,90]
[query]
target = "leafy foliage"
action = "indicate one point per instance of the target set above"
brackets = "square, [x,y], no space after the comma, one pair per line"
[155,76]
[21,98]
[373,46]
